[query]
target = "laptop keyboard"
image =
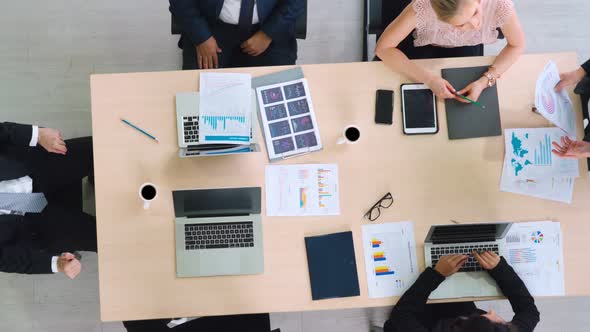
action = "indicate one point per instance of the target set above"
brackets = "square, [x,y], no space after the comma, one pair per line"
[219,235]
[471,265]
[191,129]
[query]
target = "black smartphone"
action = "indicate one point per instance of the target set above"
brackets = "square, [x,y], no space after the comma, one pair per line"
[384,107]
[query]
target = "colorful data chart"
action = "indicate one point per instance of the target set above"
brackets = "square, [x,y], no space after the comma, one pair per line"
[302,198]
[543,152]
[522,255]
[324,192]
[537,237]
[383,271]
[379,256]
[376,243]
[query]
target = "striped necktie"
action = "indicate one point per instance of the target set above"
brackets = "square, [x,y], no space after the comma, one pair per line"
[23,202]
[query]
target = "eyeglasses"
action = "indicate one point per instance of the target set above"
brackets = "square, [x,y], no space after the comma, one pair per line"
[375,211]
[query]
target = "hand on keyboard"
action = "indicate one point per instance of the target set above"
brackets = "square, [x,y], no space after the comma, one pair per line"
[488,260]
[448,265]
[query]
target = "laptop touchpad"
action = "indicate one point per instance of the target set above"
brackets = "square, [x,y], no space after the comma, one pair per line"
[220,262]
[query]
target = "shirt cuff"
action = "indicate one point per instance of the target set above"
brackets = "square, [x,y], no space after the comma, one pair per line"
[34,136]
[54,268]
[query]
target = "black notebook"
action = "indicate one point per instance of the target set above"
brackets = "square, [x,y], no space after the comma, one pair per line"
[332,266]
[469,120]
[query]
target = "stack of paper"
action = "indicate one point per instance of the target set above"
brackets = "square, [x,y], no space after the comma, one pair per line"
[225,108]
[530,168]
[390,258]
[534,250]
[554,106]
[302,190]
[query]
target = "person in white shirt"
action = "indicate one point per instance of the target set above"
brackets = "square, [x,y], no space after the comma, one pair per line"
[41,220]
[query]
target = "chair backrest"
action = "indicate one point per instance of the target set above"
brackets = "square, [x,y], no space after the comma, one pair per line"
[300,24]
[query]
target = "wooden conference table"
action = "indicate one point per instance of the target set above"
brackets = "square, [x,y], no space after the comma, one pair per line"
[432,179]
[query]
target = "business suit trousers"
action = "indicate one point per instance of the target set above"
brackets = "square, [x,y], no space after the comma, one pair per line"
[229,38]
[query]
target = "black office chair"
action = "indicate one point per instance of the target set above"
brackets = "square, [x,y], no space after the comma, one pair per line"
[300,25]
[380,13]
[237,323]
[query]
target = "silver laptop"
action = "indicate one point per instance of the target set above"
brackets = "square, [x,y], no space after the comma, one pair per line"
[187,123]
[218,232]
[471,280]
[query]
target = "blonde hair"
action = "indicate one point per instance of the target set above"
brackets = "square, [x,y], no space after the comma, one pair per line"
[446,9]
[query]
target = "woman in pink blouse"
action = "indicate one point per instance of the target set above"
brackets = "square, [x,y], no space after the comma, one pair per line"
[448,24]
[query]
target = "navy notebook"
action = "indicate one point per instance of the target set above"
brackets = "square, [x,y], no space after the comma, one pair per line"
[332,266]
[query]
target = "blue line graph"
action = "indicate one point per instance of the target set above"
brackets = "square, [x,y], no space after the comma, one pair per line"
[543,152]
[224,122]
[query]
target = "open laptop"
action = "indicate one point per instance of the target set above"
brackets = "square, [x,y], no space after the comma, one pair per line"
[218,232]
[471,280]
[187,123]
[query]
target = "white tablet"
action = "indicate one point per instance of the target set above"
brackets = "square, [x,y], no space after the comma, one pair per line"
[418,109]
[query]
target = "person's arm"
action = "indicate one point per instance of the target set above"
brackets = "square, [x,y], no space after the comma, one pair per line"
[526,315]
[193,24]
[18,134]
[404,316]
[508,56]
[387,50]
[282,20]
[22,260]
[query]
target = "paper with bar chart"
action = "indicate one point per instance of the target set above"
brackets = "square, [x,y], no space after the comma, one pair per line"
[535,251]
[225,108]
[554,106]
[302,190]
[390,258]
[531,169]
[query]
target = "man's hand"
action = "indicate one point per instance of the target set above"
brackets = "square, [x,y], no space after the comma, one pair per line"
[571,149]
[488,260]
[51,140]
[69,265]
[570,78]
[256,44]
[473,90]
[449,265]
[207,54]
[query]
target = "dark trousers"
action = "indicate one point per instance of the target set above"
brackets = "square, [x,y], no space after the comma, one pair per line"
[62,226]
[229,38]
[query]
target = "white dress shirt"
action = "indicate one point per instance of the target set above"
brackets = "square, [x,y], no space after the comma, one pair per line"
[24,185]
[230,12]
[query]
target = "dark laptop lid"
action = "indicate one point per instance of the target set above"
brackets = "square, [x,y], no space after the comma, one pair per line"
[216,202]
[442,234]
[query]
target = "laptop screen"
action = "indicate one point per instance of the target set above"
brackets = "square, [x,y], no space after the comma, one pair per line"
[216,202]
[442,234]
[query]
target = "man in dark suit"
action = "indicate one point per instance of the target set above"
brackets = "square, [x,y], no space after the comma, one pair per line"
[237,33]
[41,218]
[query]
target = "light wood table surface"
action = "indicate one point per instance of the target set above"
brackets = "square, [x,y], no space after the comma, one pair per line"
[432,179]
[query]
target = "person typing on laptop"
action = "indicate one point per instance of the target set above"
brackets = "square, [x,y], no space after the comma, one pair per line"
[411,313]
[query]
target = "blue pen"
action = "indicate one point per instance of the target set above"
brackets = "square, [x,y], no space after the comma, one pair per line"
[139,129]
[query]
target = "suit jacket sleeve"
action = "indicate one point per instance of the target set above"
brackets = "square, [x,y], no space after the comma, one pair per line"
[281,22]
[193,23]
[15,134]
[23,260]
[404,316]
[526,315]
[586,67]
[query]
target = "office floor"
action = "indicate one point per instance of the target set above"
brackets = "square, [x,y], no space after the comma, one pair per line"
[49,48]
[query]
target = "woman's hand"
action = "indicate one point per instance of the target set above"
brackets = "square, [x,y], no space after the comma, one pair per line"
[473,90]
[441,87]
[571,149]
[570,79]
[488,260]
[449,265]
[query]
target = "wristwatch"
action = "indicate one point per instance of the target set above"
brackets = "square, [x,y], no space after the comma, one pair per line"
[491,76]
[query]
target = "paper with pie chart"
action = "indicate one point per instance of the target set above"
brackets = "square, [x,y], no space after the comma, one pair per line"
[390,258]
[535,251]
[554,106]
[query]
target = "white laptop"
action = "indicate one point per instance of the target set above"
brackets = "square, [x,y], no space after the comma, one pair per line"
[471,280]
[187,123]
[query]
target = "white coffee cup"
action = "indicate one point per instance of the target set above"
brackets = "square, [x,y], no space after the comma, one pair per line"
[148,193]
[350,135]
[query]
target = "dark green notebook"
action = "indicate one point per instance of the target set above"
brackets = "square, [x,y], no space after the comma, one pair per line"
[469,120]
